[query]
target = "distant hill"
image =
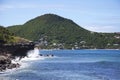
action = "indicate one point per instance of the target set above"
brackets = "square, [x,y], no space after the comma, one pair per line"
[54,31]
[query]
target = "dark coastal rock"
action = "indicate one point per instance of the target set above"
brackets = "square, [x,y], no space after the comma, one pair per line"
[12,66]
[11,51]
[47,55]
[2,67]
[5,63]
[20,49]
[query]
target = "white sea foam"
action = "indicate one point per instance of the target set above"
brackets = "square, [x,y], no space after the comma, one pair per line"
[33,55]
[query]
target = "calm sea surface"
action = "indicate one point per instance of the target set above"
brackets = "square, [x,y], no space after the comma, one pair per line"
[70,65]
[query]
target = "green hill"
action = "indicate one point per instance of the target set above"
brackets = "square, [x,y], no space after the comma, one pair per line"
[7,37]
[55,31]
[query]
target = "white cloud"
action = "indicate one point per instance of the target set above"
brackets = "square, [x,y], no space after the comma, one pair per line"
[30,6]
[102,28]
[4,7]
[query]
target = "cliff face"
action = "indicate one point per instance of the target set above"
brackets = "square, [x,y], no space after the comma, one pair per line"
[9,52]
[16,49]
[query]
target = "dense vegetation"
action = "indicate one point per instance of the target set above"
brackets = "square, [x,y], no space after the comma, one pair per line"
[7,37]
[57,32]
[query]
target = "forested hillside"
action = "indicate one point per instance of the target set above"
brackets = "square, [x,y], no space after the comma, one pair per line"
[7,37]
[57,32]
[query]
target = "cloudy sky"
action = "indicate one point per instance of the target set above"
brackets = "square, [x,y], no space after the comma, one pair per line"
[94,15]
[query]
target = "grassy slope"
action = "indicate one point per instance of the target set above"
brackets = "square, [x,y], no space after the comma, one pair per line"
[7,37]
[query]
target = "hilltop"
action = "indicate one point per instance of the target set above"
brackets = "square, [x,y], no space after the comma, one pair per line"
[54,31]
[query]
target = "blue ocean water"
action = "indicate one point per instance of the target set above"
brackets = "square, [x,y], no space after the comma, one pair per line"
[70,65]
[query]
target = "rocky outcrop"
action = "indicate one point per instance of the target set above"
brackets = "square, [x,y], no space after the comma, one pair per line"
[5,63]
[16,49]
[10,51]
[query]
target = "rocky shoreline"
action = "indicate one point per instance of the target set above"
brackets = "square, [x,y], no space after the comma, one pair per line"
[10,52]
[6,63]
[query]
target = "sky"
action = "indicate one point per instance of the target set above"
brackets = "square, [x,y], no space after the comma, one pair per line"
[94,15]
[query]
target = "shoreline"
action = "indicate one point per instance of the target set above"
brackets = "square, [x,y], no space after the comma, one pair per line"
[22,65]
[8,63]
[23,62]
[9,53]
[76,49]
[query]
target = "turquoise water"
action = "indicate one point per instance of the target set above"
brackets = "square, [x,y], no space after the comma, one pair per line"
[70,65]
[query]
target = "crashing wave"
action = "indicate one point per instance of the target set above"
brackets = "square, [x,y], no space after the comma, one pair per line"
[33,55]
